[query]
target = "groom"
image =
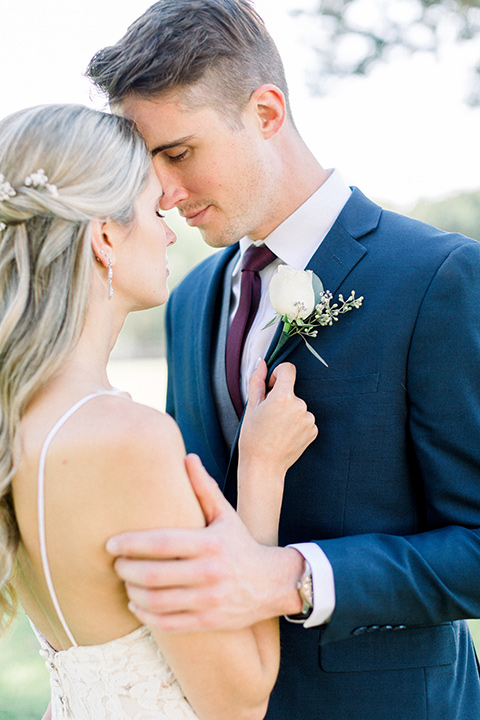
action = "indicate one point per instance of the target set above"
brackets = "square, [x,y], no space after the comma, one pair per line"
[381,514]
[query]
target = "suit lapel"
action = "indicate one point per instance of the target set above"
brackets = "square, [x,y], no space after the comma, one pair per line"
[338,254]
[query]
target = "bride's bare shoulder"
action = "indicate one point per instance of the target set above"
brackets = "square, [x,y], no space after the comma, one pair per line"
[120,422]
[137,459]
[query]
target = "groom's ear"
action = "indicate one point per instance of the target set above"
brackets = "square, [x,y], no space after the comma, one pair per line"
[269,105]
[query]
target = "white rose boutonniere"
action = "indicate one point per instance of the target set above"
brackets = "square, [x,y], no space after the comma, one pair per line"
[302,304]
[291,293]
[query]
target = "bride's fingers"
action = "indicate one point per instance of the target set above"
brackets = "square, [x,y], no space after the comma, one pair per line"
[256,384]
[283,376]
[313,427]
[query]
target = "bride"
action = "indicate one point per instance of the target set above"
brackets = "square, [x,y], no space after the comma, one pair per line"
[82,243]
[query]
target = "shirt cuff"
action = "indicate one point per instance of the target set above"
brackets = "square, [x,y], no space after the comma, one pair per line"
[323,583]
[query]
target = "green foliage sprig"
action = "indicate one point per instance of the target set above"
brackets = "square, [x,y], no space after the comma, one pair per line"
[325,313]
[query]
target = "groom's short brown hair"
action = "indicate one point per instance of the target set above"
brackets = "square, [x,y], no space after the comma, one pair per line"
[220,45]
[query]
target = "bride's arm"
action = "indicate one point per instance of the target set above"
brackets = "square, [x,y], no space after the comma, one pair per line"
[277,428]
[222,674]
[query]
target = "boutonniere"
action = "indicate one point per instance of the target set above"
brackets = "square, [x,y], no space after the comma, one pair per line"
[302,304]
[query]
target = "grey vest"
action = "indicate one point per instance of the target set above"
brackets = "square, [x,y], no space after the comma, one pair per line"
[226,412]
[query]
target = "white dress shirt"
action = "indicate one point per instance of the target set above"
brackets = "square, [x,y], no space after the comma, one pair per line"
[294,242]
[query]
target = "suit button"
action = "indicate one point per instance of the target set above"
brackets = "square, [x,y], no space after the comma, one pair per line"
[386,627]
[359,630]
[400,627]
[372,628]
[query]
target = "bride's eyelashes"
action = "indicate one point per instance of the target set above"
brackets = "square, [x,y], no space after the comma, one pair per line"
[159,214]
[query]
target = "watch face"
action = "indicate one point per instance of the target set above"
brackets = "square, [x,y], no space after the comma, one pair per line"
[306,590]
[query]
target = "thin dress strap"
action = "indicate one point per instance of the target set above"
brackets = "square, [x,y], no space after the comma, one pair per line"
[41,503]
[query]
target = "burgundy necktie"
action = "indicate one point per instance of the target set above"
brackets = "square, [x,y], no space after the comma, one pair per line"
[254,260]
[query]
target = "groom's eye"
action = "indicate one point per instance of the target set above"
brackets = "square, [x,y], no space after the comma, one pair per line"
[178,158]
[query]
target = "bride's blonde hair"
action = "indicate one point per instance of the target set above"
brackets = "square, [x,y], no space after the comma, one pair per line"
[96,165]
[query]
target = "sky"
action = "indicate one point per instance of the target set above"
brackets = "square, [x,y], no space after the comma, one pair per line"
[401,134]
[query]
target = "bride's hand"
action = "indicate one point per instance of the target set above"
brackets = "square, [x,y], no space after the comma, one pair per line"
[276,429]
[277,426]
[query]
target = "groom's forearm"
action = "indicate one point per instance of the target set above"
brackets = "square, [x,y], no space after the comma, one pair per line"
[282,593]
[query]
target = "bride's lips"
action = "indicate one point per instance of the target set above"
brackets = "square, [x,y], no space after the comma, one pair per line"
[196,218]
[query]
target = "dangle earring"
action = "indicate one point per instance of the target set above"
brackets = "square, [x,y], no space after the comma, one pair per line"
[110,276]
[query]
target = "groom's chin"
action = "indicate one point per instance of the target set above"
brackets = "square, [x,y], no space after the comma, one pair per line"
[217,240]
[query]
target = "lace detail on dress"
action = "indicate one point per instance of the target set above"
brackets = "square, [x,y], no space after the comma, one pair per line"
[125,679]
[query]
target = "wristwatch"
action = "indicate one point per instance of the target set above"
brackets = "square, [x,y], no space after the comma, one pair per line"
[305,590]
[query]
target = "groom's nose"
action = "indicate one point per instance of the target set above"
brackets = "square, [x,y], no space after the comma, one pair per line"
[174,191]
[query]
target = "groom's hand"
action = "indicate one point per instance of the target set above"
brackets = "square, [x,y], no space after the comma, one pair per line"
[212,578]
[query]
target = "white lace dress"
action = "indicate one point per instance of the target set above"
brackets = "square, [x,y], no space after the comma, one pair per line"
[124,679]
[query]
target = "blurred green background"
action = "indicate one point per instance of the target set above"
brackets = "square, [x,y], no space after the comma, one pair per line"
[24,684]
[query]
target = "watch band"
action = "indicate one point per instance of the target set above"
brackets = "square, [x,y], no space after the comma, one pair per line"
[305,589]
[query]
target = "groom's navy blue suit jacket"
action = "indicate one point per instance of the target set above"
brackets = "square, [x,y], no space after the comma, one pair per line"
[391,487]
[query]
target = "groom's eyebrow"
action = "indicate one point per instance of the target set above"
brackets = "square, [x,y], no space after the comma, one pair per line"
[168,146]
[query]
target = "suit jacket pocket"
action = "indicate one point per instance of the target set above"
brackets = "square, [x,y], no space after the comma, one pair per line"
[338,387]
[388,649]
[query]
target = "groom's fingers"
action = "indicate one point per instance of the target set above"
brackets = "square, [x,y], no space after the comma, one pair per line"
[168,600]
[164,544]
[164,574]
[167,623]
[179,622]
[209,495]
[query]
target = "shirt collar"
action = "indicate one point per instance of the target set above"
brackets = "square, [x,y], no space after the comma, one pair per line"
[297,238]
